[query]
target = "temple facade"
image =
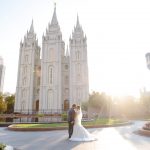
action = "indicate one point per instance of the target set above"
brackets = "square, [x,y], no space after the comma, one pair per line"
[58,78]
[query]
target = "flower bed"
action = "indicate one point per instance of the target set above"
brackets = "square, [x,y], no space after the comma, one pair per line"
[145,130]
[61,126]
[147,126]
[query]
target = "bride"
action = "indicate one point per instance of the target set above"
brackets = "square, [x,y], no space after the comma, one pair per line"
[79,132]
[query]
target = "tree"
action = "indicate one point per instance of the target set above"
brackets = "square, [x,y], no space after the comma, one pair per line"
[98,100]
[84,105]
[10,100]
[2,104]
[127,107]
[145,101]
[100,103]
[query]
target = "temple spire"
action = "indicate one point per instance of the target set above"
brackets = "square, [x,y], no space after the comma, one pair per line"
[78,24]
[31,28]
[54,19]
[67,52]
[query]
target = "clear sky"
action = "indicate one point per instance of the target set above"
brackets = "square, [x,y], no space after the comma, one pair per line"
[118,37]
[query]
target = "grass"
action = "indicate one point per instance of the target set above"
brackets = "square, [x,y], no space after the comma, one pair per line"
[104,121]
[40,125]
[86,123]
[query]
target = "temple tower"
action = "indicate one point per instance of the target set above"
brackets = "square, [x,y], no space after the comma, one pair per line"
[53,48]
[79,83]
[28,80]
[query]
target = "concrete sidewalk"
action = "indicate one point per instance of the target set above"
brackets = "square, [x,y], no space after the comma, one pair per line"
[116,138]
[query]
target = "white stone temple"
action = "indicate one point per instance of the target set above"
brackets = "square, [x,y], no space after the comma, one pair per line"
[58,78]
[2,72]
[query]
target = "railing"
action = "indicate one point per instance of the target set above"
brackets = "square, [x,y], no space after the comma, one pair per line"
[42,111]
[43,116]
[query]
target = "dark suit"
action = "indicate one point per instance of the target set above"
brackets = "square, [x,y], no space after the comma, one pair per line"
[71,117]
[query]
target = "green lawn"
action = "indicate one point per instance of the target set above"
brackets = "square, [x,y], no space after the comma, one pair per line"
[103,121]
[89,123]
[40,125]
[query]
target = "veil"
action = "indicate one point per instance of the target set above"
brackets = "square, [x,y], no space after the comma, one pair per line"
[78,116]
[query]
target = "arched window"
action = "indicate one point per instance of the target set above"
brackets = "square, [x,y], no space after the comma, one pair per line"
[49,99]
[23,105]
[51,54]
[38,81]
[66,80]
[24,81]
[66,67]
[38,90]
[78,78]
[26,58]
[23,94]
[79,94]
[77,55]
[24,72]
[78,68]
[67,93]
[50,75]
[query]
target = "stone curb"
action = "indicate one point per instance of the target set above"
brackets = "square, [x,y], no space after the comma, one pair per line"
[144,132]
[12,128]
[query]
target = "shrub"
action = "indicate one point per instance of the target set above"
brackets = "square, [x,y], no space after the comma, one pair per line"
[40,115]
[64,116]
[2,146]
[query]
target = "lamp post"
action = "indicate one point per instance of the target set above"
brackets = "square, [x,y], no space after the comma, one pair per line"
[148,66]
[148,60]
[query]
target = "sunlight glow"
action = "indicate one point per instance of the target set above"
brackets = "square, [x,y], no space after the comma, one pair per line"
[108,138]
[113,141]
[118,37]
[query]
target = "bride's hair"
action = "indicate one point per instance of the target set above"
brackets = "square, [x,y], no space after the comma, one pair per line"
[78,111]
[78,107]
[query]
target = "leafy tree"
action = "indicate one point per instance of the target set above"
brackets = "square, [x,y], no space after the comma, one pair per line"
[100,103]
[2,104]
[10,100]
[145,101]
[99,100]
[84,105]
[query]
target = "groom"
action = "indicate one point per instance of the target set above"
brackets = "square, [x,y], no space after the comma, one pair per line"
[71,117]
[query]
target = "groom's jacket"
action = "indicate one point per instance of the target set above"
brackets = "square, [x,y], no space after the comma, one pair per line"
[71,115]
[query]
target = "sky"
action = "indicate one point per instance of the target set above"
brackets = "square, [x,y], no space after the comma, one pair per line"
[118,37]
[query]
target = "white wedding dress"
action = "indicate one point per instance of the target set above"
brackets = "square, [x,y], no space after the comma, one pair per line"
[79,132]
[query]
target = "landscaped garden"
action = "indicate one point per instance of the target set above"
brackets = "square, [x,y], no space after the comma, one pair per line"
[93,123]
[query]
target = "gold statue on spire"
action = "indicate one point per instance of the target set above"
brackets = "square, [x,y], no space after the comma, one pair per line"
[55,4]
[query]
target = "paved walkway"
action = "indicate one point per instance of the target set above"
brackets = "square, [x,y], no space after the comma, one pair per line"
[114,138]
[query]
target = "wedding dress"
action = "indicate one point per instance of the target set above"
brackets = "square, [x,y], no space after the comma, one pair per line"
[79,132]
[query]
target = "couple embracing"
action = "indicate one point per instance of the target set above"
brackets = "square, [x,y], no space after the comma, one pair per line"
[76,131]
